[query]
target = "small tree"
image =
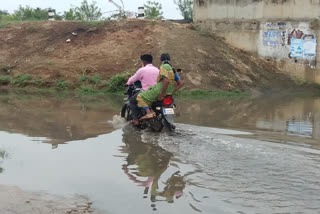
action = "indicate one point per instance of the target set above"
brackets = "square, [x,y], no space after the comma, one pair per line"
[23,13]
[40,14]
[186,8]
[28,13]
[4,13]
[153,10]
[88,12]
[70,14]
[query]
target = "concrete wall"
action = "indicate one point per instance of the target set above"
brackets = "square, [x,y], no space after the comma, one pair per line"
[284,30]
[256,9]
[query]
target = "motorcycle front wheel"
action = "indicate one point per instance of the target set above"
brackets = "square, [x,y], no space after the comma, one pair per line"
[126,112]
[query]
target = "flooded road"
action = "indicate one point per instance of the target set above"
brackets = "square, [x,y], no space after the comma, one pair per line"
[227,156]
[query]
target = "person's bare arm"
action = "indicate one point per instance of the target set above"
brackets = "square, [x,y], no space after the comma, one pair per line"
[165,84]
[179,85]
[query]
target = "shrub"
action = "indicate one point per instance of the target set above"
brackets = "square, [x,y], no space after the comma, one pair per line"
[21,80]
[36,82]
[95,79]
[83,78]
[117,82]
[87,90]
[5,80]
[62,84]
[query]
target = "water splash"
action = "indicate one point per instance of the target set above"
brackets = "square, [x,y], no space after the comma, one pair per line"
[117,122]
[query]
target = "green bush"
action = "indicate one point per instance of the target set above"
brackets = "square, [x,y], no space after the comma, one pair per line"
[5,80]
[36,82]
[83,78]
[87,90]
[21,80]
[117,82]
[62,84]
[95,79]
[94,23]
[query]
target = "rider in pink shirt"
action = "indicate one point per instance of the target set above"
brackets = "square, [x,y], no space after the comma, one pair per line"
[147,75]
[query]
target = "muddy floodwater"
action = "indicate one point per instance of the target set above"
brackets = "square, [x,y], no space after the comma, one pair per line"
[245,155]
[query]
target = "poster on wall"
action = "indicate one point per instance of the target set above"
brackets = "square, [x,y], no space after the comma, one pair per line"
[309,48]
[296,48]
[303,48]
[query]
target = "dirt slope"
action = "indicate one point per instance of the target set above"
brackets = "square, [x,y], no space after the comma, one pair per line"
[40,49]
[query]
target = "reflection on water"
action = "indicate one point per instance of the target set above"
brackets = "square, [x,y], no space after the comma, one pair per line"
[3,155]
[146,164]
[60,119]
[195,169]
[55,117]
[298,116]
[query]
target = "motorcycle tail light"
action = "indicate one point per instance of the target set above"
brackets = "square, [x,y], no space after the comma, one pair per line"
[168,100]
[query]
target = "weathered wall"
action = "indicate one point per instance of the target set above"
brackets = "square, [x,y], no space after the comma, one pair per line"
[284,30]
[256,9]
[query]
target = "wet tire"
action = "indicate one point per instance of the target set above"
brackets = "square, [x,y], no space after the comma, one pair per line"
[168,126]
[156,125]
[126,112]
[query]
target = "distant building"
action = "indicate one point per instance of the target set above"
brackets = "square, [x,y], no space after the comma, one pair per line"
[51,14]
[284,30]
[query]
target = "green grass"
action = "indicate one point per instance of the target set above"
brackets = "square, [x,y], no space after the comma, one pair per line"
[94,23]
[317,86]
[95,80]
[7,20]
[88,90]
[5,80]
[95,85]
[63,85]
[117,83]
[21,80]
[298,80]
[83,79]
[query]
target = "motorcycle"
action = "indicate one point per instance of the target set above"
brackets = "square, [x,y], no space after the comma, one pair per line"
[164,111]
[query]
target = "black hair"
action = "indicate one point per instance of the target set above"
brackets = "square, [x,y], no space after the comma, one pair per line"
[165,57]
[147,58]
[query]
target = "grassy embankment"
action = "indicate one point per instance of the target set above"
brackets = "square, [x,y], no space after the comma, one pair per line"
[95,85]
[87,85]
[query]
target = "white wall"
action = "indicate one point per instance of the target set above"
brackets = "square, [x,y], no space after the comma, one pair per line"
[267,29]
[256,9]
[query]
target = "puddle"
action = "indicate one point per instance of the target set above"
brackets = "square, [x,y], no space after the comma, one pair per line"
[70,147]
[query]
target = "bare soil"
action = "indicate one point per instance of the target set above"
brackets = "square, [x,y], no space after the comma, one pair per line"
[208,62]
[14,200]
